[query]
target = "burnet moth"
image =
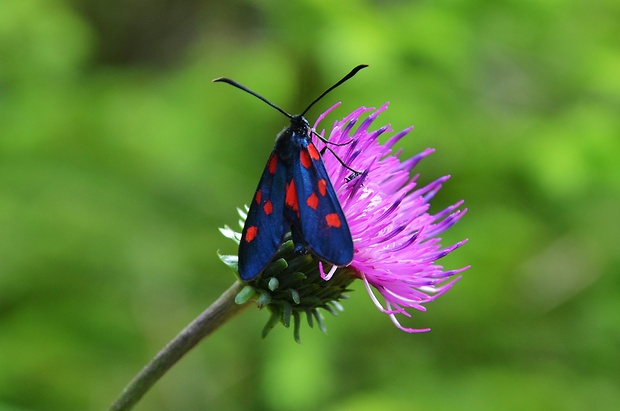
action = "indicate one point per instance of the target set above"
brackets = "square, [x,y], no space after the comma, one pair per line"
[294,193]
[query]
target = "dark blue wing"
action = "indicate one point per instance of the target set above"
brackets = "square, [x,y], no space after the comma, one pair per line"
[265,225]
[322,224]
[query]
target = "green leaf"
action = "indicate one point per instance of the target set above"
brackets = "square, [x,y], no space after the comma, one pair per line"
[245,294]
[273,283]
[230,260]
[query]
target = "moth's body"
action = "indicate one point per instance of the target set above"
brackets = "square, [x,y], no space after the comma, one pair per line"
[292,139]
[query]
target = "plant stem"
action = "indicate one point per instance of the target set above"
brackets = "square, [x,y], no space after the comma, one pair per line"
[212,318]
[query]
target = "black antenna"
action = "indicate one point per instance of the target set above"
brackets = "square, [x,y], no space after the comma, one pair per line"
[345,78]
[247,90]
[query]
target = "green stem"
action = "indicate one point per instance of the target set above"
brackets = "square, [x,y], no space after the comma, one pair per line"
[212,318]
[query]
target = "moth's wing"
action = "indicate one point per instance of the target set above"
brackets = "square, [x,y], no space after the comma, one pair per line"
[321,224]
[265,225]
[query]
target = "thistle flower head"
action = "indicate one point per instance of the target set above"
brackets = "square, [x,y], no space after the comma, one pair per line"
[395,236]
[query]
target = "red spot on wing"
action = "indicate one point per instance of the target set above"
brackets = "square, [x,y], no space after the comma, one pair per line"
[259,194]
[250,234]
[322,186]
[305,158]
[268,207]
[273,162]
[333,220]
[291,196]
[313,201]
[313,152]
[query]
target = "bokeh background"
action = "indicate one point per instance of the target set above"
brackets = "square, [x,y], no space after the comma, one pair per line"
[119,160]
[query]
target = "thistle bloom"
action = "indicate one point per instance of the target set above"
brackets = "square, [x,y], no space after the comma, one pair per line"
[394,235]
[396,247]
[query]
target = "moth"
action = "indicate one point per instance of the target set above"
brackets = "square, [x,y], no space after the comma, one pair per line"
[294,194]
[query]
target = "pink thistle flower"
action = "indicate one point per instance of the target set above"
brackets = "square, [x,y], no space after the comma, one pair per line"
[395,237]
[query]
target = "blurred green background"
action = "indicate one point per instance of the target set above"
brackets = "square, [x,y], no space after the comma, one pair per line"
[119,160]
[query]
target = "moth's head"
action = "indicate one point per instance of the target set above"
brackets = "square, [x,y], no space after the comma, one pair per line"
[299,124]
